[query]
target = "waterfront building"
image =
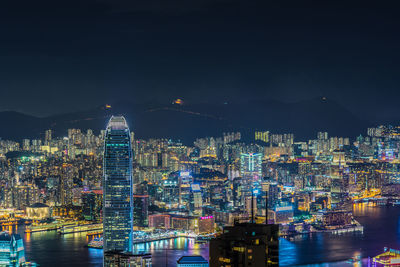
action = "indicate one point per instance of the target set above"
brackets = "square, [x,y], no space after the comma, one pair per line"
[246,244]
[332,219]
[12,250]
[38,211]
[192,261]
[160,221]
[284,213]
[182,223]
[117,187]
[67,212]
[206,225]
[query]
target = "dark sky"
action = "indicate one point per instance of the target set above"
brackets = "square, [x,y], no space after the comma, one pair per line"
[61,56]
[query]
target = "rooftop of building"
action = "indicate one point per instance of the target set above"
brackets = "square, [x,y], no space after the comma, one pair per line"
[117,123]
[39,205]
[191,259]
[249,229]
[5,236]
[126,253]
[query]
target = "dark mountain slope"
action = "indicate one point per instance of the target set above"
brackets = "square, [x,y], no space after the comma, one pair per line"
[188,122]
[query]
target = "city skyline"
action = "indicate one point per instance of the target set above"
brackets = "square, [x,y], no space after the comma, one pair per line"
[203,193]
[199,133]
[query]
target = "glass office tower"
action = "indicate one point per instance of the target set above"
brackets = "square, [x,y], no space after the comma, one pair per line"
[12,252]
[117,187]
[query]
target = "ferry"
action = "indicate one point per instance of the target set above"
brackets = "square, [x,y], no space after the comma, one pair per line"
[96,243]
[355,259]
[389,257]
[80,228]
[47,227]
[203,238]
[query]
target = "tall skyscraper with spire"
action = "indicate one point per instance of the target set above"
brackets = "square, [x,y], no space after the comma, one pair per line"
[117,187]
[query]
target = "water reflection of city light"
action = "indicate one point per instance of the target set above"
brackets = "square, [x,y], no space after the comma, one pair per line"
[95,253]
[28,237]
[191,243]
[288,252]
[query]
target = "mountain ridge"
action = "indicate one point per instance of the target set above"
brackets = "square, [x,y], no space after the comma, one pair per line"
[190,121]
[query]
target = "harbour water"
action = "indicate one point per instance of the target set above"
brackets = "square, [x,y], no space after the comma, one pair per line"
[381,229]
[53,249]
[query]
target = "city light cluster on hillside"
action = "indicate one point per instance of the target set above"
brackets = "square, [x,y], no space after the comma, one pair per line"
[122,190]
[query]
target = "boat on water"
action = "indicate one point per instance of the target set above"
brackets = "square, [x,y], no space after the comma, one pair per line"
[200,241]
[96,243]
[389,257]
[80,228]
[203,238]
[354,259]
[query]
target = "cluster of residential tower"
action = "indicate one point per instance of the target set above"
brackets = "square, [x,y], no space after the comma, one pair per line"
[134,186]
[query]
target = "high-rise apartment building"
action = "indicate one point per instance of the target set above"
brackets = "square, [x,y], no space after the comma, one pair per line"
[48,136]
[262,136]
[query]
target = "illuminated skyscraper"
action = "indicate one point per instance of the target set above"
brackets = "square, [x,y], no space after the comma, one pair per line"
[250,166]
[196,199]
[12,250]
[117,187]
[251,172]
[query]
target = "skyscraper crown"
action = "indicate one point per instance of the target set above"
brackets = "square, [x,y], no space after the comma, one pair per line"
[117,123]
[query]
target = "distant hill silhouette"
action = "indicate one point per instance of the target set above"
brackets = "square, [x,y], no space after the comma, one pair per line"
[187,122]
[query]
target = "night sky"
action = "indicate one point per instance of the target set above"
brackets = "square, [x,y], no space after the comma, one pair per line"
[63,56]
